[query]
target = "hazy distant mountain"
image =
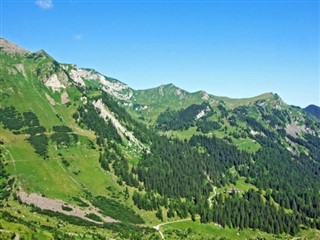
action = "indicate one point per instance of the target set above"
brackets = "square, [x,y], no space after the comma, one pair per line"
[313,110]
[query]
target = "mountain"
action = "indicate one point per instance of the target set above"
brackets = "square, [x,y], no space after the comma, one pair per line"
[85,156]
[313,110]
[9,47]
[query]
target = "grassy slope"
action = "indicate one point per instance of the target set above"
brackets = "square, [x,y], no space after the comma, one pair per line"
[240,185]
[51,177]
[160,98]
[47,176]
[169,96]
[163,97]
[196,230]
[235,102]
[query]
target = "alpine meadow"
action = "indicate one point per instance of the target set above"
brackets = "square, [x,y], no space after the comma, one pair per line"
[85,156]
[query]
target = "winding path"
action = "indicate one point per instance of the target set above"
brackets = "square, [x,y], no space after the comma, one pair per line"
[166,223]
[157,227]
[212,196]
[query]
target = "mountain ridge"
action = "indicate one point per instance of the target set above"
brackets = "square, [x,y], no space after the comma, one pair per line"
[204,93]
[9,46]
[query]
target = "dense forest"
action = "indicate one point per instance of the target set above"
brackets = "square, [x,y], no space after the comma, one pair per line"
[250,210]
[185,118]
[175,169]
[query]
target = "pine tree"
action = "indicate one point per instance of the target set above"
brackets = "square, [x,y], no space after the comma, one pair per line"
[170,213]
[159,214]
[126,193]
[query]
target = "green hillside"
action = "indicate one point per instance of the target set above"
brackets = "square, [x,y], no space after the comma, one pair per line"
[84,156]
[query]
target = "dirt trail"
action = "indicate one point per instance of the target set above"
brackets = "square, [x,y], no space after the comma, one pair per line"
[56,206]
[183,220]
[212,196]
[166,223]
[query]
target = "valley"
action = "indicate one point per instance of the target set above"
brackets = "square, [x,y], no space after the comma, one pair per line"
[84,156]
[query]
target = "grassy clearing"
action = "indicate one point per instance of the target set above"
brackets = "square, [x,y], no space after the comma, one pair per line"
[196,230]
[182,134]
[310,234]
[240,185]
[248,145]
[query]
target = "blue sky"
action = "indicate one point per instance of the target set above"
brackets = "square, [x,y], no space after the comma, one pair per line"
[227,48]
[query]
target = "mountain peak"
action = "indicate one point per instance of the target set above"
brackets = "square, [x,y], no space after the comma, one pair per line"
[313,110]
[169,86]
[10,47]
[44,54]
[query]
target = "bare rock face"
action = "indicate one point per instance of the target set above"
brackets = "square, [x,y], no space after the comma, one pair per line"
[205,95]
[53,82]
[115,88]
[9,47]
[50,72]
[64,98]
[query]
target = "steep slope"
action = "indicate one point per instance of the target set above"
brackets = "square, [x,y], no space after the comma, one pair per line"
[91,79]
[84,156]
[45,151]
